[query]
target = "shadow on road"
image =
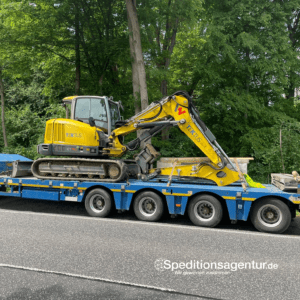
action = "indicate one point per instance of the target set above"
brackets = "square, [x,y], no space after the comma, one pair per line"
[37,286]
[78,209]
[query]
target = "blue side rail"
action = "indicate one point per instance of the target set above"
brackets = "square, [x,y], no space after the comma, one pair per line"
[238,201]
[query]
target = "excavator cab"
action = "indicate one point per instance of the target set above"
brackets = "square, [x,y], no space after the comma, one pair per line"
[102,110]
[92,120]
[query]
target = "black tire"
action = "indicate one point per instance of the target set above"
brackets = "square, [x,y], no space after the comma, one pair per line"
[98,203]
[271,215]
[148,206]
[205,210]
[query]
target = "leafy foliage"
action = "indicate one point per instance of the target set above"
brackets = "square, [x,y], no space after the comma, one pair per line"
[275,148]
[239,60]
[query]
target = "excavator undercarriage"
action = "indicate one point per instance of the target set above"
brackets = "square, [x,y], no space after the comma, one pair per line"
[106,170]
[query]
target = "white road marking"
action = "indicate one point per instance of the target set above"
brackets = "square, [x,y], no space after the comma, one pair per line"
[89,277]
[137,222]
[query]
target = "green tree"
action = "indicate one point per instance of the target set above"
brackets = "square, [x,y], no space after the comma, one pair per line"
[162,21]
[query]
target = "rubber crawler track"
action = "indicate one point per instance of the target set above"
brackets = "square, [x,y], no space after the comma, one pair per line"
[119,163]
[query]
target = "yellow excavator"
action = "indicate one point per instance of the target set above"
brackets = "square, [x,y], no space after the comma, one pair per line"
[95,134]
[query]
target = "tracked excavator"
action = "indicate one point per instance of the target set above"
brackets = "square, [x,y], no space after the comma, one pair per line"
[92,143]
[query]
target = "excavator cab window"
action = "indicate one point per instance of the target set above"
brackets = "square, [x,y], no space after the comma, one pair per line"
[91,107]
[114,114]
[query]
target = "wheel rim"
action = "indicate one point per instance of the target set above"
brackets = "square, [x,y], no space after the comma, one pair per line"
[97,203]
[204,211]
[270,215]
[147,206]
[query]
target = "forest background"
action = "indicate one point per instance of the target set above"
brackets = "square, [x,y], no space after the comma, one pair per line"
[238,59]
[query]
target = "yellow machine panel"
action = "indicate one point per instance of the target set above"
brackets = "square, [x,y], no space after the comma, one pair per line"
[205,172]
[70,132]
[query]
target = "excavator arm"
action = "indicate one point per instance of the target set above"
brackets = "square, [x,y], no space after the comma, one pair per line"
[179,110]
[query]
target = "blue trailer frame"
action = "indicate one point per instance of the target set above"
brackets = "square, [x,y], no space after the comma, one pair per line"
[177,195]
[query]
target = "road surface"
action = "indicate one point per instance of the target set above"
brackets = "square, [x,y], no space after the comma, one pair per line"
[55,251]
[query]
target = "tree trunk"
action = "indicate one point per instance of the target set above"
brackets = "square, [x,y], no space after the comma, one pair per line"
[293,32]
[136,89]
[164,87]
[135,75]
[138,54]
[168,46]
[77,52]
[139,82]
[2,109]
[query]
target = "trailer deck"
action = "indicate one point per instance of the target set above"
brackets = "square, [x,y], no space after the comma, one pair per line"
[237,200]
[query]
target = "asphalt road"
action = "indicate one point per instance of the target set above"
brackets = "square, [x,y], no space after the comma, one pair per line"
[54,250]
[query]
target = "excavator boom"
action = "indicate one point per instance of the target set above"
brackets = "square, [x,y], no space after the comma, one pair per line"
[179,110]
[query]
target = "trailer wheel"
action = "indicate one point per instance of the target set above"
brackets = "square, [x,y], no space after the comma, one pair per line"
[98,203]
[205,210]
[148,206]
[271,215]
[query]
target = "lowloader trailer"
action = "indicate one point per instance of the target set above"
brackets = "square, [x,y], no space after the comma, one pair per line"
[270,209]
